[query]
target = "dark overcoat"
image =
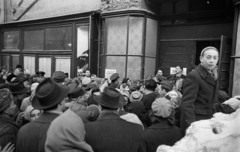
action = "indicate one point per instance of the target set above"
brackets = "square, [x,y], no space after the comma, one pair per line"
[8,131]
[32,136]
[161,133]
[200,93]
[110,133]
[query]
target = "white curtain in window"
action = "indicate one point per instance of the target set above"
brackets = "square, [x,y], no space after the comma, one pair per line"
[45,64]
[29,64]
[82,40]
[63,64]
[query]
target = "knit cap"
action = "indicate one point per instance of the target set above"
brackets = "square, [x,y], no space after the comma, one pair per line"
[5,99]
[162,107]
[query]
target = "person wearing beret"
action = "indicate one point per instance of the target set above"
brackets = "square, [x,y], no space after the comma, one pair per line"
[111,133]
[162,131]
[40,76]
[8,127]
[49,97]
[114,80]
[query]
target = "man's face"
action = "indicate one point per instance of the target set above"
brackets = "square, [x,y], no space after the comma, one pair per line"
[160,72]
[87,73]
[93,78]
[209,59]
[12,109]
[178,69]
[40,78]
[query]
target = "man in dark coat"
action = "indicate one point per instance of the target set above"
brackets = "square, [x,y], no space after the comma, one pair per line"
[8,127]
[50,98]
[200,92]
[147,100]
[162,131]
[111,133]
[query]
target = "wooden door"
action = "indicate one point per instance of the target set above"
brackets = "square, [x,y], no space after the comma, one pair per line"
[176,53]
[224,63]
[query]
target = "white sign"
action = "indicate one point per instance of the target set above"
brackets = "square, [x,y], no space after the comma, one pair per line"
[173,71]
[109,72]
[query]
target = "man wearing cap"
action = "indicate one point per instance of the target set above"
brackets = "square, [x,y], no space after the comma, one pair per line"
[49,97]
[162,131]
[59,77]
[164,88]
[109,132]
[114,80]
[40,76]
[8,127]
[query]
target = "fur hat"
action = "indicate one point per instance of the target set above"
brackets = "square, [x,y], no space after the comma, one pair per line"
[58,76]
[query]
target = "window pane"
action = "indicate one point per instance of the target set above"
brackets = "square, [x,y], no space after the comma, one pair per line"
[63,64]
[5,62]
[45,64]
[116,35]
[149,68]
[135,35]
[82,47]
[82,39]
[10,39]
[151,37]
[29,63]
[134,68]
[58,38]
[118,63]
[33,40]
[15,60]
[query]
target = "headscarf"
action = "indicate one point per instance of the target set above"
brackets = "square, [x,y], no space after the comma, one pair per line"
[27,113]
[5,99]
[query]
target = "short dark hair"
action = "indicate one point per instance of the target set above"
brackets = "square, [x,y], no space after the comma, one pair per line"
[150,84]
[180,67]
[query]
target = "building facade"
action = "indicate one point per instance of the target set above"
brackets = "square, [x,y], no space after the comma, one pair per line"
[133,37]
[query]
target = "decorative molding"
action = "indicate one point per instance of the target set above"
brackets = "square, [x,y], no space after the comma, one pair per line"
[110,5]
[14,9]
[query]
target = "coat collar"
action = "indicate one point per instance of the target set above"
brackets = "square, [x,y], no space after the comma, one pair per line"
[205,75]
[46,117]
[109,115]
[162,125]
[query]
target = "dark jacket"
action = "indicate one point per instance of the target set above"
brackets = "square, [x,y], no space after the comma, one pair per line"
[32,136]
[147,101]
[113,134]
[200,93]
[161,133]
[138,109]
[8,131]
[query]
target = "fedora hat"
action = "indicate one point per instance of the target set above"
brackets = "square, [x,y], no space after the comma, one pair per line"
[48,94]
[110,98]
[17,87]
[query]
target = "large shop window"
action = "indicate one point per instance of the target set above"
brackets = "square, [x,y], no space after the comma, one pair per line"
[131,44]
[29,63]
[45,65]
[10,40]
[10,61]
[82,47]
[63,64]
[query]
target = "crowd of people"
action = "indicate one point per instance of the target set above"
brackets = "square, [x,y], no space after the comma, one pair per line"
[87,113]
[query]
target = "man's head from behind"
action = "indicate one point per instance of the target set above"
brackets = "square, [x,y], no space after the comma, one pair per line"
[49,95]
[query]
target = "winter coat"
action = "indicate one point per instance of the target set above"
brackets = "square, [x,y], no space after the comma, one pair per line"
[200,94]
